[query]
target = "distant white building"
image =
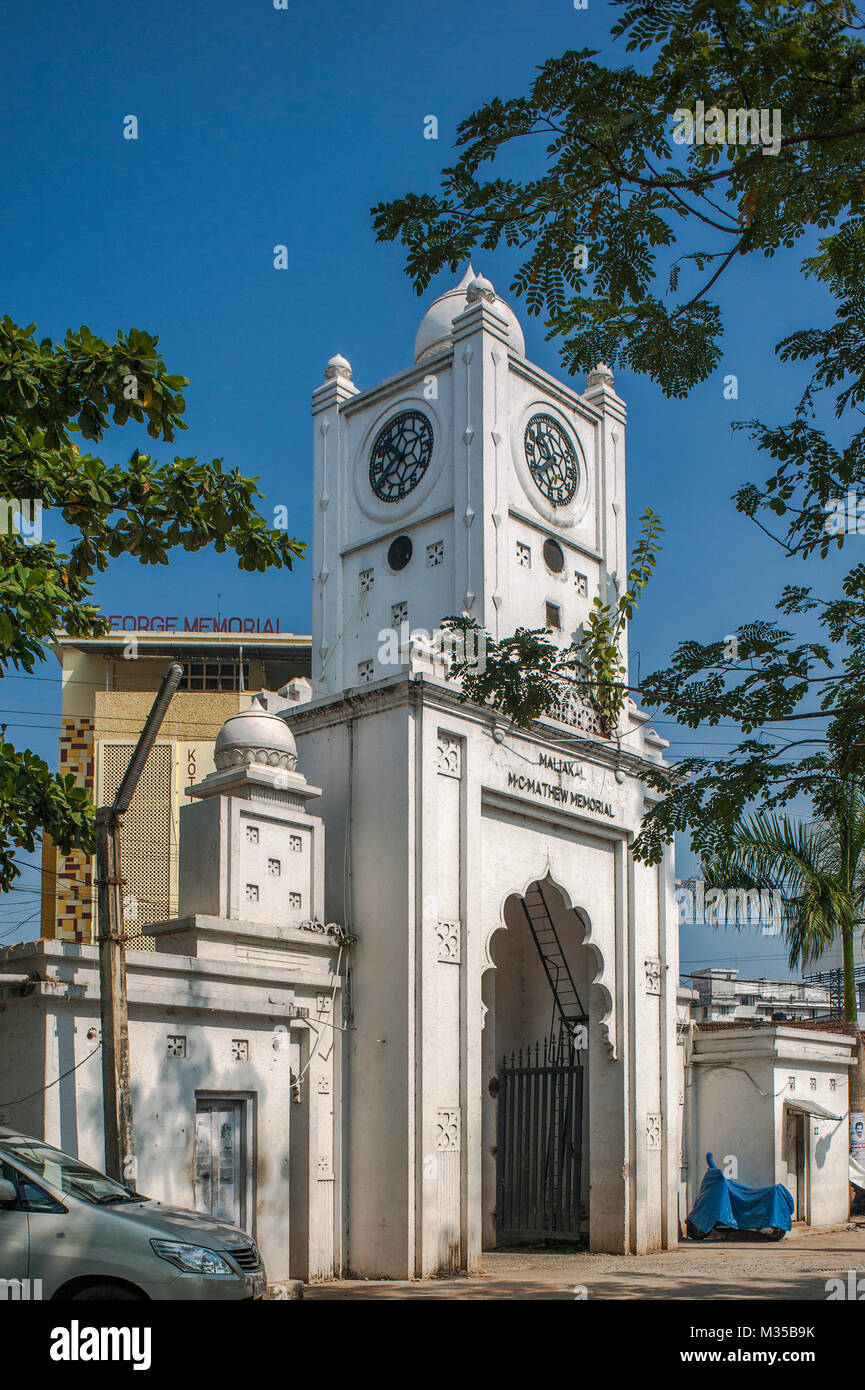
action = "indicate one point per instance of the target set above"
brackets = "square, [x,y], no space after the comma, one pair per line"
[722,997]
[771,1104]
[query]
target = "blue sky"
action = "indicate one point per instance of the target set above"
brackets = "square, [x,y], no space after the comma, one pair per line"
[260,127]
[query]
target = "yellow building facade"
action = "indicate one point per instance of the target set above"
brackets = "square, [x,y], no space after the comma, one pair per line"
[108,687]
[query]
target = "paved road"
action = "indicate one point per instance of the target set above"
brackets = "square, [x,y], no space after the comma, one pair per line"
[794,1269]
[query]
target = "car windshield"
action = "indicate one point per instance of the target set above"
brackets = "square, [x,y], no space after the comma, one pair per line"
[65,1173]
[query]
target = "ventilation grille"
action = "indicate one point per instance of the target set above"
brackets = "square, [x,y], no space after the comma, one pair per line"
[145,841]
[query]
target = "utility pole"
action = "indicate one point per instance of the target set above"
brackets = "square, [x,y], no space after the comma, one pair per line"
[116,1089]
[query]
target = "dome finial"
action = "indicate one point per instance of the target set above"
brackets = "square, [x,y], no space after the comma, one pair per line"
[480,288]
[601,376]
[338,366]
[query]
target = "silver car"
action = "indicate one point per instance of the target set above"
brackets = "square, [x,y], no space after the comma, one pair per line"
[74,1233]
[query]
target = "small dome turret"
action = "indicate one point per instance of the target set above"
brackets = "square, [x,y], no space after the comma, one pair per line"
[255,736]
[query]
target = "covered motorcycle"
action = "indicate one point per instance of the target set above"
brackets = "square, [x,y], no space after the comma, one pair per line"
[734,1207]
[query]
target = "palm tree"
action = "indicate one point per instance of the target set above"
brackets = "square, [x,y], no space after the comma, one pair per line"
[819,869]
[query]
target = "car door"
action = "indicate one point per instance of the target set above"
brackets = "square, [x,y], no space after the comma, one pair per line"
[14,1240]
[48,1225]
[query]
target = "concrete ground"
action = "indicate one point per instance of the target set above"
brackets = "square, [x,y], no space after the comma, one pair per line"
[794,1269]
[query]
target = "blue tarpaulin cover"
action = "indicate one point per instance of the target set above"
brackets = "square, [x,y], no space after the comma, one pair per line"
[726,1203]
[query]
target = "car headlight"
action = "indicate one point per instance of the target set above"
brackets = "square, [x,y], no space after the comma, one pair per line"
[192,1259]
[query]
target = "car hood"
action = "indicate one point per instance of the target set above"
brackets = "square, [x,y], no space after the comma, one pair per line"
[176,1223]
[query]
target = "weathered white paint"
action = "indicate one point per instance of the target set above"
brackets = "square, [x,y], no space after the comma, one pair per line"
[214,980]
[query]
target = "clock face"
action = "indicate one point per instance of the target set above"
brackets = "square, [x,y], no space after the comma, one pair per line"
[400,455]
[552,459]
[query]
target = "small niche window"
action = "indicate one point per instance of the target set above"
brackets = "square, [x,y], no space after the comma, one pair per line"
[365,672]
[554,616]
[366,579]
[295,900]
[240,1049]
[524,555]
[252,892]
[435,553]
[252,834]
[399,613]
[554,556]
[176,1045]
[399,552]
[581,584]
[274,868]
[295,844]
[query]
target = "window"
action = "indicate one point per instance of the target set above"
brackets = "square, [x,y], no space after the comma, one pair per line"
[554,556]
[219,673]
[64,1172]
[366,579]
[35,1198]
[399,552]
[399,613]
[435,553]
[365,672]
[581,584]
[554,615]
[524,555]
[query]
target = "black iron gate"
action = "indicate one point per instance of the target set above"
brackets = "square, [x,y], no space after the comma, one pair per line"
[540,1112]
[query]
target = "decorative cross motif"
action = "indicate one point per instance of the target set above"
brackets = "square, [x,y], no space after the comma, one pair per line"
[653,977]
[448,758]
[448,936]
[448,1129]
[653,1131]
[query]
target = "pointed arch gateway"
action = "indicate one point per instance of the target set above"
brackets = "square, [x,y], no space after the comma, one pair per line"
[536,1055]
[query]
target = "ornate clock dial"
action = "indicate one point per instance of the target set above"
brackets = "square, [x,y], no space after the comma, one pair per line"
[552,459]
[400,455]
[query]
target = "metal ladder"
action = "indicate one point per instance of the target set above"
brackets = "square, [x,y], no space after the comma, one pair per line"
[540,921]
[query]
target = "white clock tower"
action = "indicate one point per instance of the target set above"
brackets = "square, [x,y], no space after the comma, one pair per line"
[511,1070]
[472,483]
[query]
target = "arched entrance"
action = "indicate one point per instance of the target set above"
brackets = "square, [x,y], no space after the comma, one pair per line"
[536,1063]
